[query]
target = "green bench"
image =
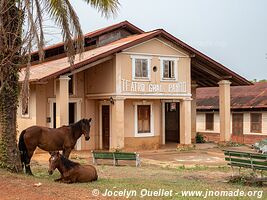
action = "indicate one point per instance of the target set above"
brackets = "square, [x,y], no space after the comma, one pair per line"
[254,161]
[116,156]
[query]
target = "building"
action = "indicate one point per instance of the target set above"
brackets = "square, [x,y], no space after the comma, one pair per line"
[138,87]
[248,113]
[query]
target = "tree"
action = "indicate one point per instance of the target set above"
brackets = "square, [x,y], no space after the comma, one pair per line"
[21,30]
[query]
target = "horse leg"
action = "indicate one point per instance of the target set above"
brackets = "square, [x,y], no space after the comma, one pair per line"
[28,160]
[58,179]
[66,152]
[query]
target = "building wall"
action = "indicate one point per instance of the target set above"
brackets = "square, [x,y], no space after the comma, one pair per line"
[131,141]
[155,49]
[100,79]
[97,84]
[249,137]
[25,122]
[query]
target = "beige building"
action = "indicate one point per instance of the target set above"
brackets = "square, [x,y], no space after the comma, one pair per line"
[248,120]
[138,87]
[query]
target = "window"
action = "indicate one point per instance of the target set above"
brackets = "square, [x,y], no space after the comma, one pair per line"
[255,122]
[168,68]
[209,121]
[141,70]
[143,120]
[141,67]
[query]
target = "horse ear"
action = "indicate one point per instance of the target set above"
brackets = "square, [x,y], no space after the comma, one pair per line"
[90,119]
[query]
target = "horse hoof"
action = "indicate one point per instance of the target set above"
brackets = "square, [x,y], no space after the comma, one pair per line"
[29,173]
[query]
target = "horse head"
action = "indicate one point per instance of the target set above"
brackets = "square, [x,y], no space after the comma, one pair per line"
[86,124]
[53,162]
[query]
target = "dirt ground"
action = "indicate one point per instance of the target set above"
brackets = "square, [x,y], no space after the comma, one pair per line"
[200,168]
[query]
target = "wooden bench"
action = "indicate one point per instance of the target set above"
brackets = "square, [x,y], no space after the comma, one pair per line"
[254,161]
[116,156]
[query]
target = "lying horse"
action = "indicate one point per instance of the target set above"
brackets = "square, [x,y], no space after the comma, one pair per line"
[71,172]
[50,139]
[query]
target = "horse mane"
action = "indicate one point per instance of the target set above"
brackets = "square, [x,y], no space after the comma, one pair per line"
[76,126]
[68,164]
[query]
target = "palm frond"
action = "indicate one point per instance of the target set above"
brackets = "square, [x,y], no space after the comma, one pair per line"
[105,7]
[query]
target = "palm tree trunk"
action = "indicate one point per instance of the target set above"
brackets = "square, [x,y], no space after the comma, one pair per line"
[10,37]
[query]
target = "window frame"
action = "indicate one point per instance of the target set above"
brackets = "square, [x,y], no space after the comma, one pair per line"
[151,133]
[257,131]
[207,129]
[175,60]
[148,58]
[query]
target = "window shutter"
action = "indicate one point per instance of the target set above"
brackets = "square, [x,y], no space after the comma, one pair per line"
[172,69]
[165,69]
[143,118]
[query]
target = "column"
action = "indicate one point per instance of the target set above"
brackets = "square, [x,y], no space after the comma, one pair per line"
[41,104]
[194,111]
[225,109]
[62,101]
[185,121]
[117,124]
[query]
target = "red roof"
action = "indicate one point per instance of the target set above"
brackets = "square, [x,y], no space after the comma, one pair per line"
[242,97]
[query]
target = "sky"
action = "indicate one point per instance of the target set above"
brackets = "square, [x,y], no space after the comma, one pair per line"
[232,32]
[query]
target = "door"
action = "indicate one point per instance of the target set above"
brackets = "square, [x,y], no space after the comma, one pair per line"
[172,122]
[237,128]
[105,127]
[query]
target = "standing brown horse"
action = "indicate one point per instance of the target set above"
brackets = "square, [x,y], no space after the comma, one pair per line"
[71,172]
[51,139]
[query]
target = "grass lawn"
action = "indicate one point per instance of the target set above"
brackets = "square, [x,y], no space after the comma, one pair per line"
[139,180]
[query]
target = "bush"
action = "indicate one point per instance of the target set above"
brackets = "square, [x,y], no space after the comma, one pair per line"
[200,138]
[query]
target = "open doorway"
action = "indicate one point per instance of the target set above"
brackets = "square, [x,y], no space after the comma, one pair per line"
[172,122]
[72,113]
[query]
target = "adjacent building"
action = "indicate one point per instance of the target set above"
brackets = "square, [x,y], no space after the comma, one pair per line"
[138,87]
[248,120]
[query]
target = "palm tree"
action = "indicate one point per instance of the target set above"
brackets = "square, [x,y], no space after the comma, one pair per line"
[21,30]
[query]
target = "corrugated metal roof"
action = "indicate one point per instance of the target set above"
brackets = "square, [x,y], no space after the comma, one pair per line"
[242,97]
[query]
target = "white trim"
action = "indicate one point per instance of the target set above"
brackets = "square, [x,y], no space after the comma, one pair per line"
[153,55]
[175,60]
[136,134]
[148,58]
[157,95]
[102,103]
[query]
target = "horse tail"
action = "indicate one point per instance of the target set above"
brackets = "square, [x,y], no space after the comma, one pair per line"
[22,148]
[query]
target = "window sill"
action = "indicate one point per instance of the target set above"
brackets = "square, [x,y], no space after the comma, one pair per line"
[25,116]
[142,79]
[144,135]
[168,79]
